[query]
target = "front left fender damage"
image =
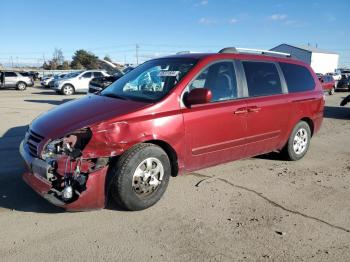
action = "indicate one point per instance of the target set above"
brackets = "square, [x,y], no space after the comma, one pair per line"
[71,172]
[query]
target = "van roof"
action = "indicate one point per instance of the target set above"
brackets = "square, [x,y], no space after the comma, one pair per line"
[243,56]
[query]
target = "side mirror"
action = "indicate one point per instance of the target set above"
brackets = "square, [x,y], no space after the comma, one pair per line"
[198,96]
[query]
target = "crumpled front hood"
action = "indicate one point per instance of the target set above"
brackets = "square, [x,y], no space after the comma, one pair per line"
[80,113]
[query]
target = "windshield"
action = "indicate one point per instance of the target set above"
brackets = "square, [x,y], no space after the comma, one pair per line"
[150,81]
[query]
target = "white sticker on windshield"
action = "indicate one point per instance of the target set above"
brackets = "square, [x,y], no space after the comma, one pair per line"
[168,73]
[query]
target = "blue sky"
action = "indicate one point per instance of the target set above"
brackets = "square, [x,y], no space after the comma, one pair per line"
[30,30]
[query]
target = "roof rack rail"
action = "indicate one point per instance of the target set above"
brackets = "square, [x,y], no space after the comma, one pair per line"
[233,50]
[228,50]
[183,52]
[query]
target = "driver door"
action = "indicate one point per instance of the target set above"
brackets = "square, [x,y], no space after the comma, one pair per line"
[215,132]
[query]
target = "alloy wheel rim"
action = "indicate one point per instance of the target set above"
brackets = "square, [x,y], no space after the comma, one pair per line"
[147,177]
[21,86]
[300,141]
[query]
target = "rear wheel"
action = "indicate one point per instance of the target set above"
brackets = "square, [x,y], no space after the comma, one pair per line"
[140,177]
[21,86]
[68,90]
[298,142]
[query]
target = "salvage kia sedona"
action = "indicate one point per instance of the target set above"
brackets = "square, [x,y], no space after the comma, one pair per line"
[167,117]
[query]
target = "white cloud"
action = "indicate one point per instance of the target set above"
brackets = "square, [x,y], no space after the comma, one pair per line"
[233,21]
[206,21]
[202,3]
[278,17]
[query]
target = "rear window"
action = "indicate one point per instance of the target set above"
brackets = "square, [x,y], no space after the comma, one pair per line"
[262,78]
[298,78]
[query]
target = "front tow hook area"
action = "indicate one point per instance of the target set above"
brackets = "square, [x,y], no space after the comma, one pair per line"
[94,197]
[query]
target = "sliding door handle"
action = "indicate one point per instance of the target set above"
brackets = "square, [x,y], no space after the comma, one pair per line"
[253,109]
[240,111]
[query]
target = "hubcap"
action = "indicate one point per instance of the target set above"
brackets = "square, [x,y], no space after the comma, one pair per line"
[300,141]
[147,176]
[21,86]
[68,90]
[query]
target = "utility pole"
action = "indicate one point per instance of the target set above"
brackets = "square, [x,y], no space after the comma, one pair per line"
[11,62]
[137,54]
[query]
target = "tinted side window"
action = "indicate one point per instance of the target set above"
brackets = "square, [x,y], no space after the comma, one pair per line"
[10,74]
[262,78]
[87,75]
[98,74]
[298,78]
[220,79]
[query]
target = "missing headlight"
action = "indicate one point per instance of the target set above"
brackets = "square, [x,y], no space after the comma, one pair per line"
[71,145]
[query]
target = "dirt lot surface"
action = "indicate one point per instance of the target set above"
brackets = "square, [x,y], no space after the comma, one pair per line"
[259,209]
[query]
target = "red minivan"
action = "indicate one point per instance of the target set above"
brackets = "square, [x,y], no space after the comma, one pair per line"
[171,116]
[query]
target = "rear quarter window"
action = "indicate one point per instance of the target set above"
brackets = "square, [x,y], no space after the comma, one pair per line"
[262,78]
[298,78]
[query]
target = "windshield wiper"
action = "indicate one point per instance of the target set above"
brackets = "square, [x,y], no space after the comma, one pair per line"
[114,96]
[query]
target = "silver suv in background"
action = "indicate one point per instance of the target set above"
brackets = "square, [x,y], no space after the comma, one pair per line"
[14,79]
[77,82]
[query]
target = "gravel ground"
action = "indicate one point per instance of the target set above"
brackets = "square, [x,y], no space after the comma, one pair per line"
[258,209]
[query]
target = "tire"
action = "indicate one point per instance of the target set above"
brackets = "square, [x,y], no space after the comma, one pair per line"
[21,86]
[133,186]
[298,142]
[332,91]
[67,90]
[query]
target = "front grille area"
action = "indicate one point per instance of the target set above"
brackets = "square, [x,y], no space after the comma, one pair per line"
[33,142]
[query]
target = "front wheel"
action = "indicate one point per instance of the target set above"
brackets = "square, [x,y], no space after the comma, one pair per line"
[140,177]
[298,142]
[332,91]
[68,90]
[21,86]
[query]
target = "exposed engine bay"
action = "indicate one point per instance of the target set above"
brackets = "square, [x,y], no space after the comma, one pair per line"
[65,167]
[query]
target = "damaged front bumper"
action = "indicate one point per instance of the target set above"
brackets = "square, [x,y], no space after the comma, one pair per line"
[36,176]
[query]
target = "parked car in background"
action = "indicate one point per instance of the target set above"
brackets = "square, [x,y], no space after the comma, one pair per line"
[336,76]
[344,82]
[328,83]
[45,82]
[57,78]
[77,82]
[345,71]
[31,74]
[128,69]
[170,116]
[15,79]
[100,83]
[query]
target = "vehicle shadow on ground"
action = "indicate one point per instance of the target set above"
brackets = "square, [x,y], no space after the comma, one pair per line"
[47,101]
[14,193]
[272,156]
[342,113]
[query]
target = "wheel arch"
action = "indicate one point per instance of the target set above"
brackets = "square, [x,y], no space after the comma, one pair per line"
[170,151]
[310,122]
[21,81]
